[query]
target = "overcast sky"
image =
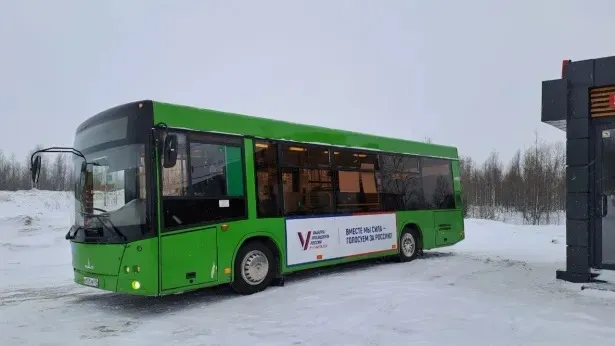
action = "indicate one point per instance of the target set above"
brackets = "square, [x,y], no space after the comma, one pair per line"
[465,73]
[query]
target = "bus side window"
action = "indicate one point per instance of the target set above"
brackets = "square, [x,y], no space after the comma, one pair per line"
[307,182]
[438,183]
[356,181]
[267,187]
[175,179]
[401,183]
[207,183]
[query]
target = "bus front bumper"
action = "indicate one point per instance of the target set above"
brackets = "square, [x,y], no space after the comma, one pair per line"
[113,283]
[124,268]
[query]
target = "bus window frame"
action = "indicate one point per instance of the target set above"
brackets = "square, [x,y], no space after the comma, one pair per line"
[281,213]
[202,137]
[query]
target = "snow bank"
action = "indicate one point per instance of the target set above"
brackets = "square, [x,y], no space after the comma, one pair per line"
[35,203]
[515,217]
[32,228]
[538,244]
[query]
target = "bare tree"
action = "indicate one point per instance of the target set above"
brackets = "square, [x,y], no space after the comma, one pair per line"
[532,185]
[15,175]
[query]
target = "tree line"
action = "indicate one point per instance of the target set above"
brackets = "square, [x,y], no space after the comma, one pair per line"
[531,185]
[56,172]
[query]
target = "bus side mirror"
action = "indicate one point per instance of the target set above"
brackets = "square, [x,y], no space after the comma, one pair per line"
[170,151]
[35,169]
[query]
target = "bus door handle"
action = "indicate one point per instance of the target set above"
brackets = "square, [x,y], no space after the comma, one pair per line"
[604,205]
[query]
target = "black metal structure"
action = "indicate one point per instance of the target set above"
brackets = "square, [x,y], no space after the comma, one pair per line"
[582,103]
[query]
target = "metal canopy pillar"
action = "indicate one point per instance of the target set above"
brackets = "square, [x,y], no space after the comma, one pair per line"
[575,105]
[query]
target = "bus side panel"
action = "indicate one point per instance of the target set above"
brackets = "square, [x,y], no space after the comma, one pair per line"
[188,258]
[457,189]
[449,226]
[237,233]
[141,259]
[424,220]
[250,173]
[458,225]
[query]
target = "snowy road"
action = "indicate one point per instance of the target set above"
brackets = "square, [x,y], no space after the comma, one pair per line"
[496,288]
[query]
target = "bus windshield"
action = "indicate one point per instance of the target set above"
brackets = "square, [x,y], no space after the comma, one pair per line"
[110,194]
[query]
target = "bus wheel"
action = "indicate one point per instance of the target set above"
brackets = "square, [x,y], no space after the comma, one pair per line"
[254,268]
[408,245]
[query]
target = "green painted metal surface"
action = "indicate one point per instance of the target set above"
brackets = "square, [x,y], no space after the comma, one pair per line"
[209,252]
[211,120]
[108,263]
[189,257]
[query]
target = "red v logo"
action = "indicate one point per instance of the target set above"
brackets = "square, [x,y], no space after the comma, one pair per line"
[305,242]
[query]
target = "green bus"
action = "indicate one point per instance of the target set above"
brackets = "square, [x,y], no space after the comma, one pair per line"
[171,198]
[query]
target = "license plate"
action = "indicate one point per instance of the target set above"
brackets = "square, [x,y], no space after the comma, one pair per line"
[90,281]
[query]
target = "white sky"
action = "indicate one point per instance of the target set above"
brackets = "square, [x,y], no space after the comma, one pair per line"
[466,73]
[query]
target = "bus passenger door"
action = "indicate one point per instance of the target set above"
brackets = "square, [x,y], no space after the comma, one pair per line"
[189,257]
[188,231]
[202,190]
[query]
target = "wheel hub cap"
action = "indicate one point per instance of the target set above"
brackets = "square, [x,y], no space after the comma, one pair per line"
[254,267]
[408,244]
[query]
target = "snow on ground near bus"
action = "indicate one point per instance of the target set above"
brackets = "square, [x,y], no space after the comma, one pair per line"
[515,217]
[495,288]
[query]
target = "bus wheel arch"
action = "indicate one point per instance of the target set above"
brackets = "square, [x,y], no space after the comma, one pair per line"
[410,242]
[259,252]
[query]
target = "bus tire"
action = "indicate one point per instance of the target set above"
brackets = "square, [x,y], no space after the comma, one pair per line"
[409,244]
[254,268]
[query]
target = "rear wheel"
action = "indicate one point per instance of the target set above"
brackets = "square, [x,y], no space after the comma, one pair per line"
[408,244]
[254,268]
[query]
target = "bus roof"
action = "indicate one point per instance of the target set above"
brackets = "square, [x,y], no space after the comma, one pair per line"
[192,118]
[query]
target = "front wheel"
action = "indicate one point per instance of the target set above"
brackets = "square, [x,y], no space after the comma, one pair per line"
[408,245]
[254,268]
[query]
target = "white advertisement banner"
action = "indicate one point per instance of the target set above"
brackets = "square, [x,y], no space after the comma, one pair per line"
[322,238]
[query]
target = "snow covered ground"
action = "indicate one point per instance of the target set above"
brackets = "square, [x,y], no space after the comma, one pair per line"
[500,214]
[496,288]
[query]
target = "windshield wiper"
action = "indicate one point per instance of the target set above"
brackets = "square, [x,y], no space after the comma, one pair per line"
[72,232]
[106,215]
